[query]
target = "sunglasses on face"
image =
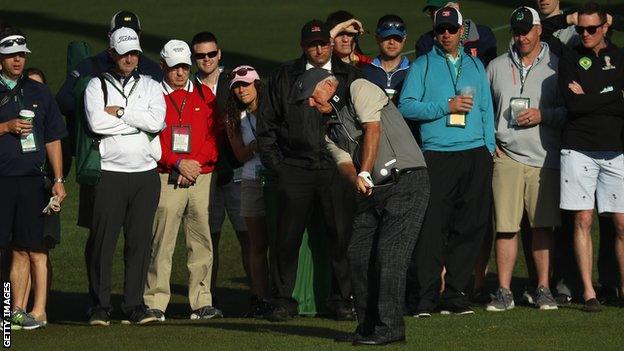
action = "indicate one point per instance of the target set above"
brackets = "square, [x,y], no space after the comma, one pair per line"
[11,42]
[591,30]
[391,25]
[442,29]
[240,72]
[201,55]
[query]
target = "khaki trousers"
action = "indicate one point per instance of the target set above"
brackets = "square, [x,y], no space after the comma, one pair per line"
[177,204]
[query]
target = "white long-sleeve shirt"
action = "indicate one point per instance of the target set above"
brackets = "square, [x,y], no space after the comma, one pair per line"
[124,146]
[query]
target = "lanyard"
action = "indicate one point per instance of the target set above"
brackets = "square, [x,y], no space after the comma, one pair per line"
[112,81]
[523,77]
[454,79]
[180,109]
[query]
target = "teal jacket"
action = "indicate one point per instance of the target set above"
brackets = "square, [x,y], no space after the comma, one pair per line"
[430,83]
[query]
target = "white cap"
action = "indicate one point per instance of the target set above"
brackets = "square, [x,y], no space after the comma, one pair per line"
[176,52]
[13,44]
[124,40]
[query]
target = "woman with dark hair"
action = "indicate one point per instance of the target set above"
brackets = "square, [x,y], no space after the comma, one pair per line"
[344,36]
[241,109]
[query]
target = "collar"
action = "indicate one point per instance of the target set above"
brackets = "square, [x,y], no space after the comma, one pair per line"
[123,80]
[589,52]
[440,52]
[404,64]
[518,62]
[166,88]
[327,66]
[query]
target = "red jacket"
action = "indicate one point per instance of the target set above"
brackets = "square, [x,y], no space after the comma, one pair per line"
[200,115]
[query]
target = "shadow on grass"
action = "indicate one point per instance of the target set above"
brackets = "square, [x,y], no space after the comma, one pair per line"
[288,329]
[149,42]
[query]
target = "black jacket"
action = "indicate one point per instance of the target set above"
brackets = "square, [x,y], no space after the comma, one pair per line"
[291,132]
[595,118]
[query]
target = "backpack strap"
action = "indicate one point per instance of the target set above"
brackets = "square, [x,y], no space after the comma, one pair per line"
[104,88]
[13,92]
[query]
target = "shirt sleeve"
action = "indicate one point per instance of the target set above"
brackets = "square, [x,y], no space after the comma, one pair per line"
[54,125]
[411,102]
[152,119]
[368,100]
[487,110]
[100,122]
[339,155]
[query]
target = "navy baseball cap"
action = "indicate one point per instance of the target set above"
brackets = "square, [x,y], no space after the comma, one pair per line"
[315,30]
[448,15]
[307,82]
[125,19]
[391,25]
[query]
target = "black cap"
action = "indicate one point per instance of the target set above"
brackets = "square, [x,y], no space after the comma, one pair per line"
[307,82]
[447,15]
[125,19]
[523,19]
[315,30]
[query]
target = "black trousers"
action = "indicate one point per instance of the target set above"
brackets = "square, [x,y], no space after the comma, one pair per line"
[128,201]
[300,189]
[385,230]
[455,224]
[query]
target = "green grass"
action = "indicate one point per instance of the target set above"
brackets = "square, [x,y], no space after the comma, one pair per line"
[262,33]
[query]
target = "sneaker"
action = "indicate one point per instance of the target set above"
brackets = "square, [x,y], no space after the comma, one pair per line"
[503,301]
[99,316]
[459,308]
[422,314]
[206,312]
[544,299]
[160,315]
[592,305]
[43,318]
[563,300]
[141,316]
[528,298]
[22,320]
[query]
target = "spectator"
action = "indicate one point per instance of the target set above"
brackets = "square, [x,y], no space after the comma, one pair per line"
[226,195]
[529,117]
[344,32]
[92,67]
[391,205]
[289,140]
[448,93]
[590,78]
[188,156]
[549,9]
[246,92]
[24,146]
[389,68]
[127,109]
[477,40]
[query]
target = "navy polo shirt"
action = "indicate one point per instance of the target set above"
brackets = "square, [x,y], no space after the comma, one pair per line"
[48,126]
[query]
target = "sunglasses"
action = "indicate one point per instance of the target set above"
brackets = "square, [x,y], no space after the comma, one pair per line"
[11,42]
[391,25]
[451,29]
[201,55]
[591,30]
[240,72]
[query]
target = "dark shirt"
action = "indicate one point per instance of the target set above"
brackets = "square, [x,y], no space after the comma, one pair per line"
[387,81]
[48,126]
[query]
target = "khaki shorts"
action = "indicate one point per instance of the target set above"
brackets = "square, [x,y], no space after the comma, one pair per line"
[252,198]
[518,188]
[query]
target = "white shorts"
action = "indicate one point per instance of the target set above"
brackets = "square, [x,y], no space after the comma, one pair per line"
[588,177]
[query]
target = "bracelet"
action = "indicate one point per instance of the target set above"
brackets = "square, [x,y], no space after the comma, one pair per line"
[367,178]
[59,180]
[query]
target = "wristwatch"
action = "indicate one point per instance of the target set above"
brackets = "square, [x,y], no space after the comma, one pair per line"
[120,112]
[59,180]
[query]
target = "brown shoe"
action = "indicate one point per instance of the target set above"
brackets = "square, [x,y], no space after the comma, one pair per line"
[592,305]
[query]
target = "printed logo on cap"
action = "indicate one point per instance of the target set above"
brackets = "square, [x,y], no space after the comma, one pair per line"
[315,29]
[126,38]
[446,13]
[178,49]
[519,16]
[127,19]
